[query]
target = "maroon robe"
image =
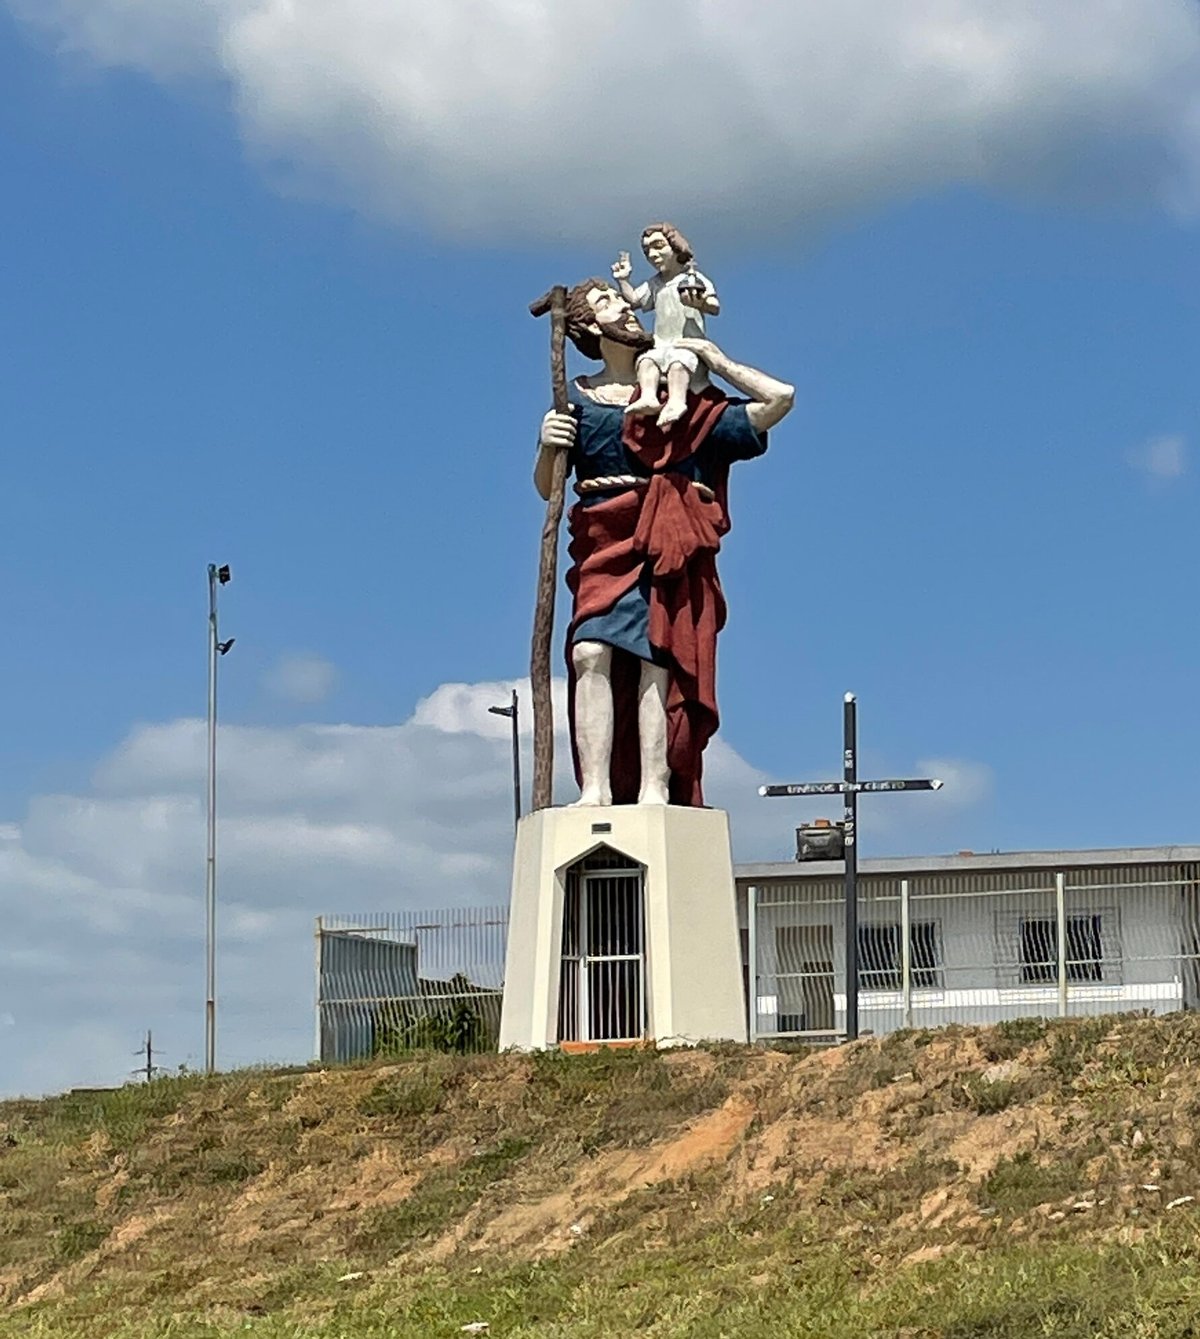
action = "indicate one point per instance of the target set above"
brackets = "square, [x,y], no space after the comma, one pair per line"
[671,529]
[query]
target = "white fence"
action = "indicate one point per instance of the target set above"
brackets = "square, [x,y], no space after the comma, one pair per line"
[393,982]
[934,948]
[966,947]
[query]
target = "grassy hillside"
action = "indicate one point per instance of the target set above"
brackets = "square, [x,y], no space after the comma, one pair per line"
[1026,1180]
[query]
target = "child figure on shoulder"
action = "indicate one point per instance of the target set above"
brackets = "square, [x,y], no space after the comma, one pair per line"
[680,297]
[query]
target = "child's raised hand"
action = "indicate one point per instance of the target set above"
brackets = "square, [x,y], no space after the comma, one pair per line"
[623,268]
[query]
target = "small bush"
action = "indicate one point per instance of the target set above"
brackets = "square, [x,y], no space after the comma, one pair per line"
[230,1167]
[405,1096]
[1019,1184]
[76,1240]
[1012,1036]
[1022,1031]
[457,1027]
[1073,1044]
[986,1099]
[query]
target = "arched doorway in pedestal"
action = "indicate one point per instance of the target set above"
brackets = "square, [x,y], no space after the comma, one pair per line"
[602,988]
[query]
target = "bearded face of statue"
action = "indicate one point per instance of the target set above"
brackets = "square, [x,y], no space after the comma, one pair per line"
[596,310]
[616,319]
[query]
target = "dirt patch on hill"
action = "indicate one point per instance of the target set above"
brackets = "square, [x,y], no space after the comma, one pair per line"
[554,1222]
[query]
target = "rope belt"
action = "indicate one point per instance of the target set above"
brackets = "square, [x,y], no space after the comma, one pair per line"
[609,482]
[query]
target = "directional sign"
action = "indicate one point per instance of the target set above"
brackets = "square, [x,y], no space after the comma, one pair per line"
[849,787]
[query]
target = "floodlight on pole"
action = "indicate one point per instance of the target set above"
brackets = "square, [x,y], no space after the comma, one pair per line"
[512,712]
[217,576]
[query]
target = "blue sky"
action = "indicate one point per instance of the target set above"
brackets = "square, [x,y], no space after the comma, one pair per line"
[220,347]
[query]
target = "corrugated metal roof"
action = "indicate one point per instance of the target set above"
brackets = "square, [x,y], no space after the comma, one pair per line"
[794,870]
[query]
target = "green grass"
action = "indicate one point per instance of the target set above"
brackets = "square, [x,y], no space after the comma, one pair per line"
[121,1115]
[414,1091]
[78,1239]
[727,1285]
[1012,1036]
[803,1225]
[1022,1183]
[441,1197]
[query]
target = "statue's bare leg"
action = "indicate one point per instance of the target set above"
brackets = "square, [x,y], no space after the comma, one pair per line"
[678,378]
[593,720]
[648,377]
[652,735]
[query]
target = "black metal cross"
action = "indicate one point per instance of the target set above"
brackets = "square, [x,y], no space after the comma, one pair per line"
[850,787]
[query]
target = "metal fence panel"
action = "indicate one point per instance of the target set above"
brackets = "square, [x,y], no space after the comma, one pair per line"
[934,948]
[966,947]
[396,981]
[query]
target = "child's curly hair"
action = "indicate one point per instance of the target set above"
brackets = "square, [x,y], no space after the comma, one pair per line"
[675,240]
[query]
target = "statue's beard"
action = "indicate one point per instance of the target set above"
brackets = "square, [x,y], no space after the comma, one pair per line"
[632,334]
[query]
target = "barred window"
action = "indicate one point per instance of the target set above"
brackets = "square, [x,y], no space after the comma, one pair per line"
[926,955]
[1039,950]
[879,956]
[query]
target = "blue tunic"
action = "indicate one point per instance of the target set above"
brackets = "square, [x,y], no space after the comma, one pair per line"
[599,451]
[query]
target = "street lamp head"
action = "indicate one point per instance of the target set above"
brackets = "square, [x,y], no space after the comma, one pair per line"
[935,784]
[501,711]
[224,575]
[224,647]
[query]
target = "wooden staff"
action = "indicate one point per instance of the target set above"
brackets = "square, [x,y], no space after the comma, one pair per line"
[554,302]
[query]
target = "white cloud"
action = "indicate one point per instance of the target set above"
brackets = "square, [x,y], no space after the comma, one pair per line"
[1161,458]
[103,892]
[528,117]
[303,679]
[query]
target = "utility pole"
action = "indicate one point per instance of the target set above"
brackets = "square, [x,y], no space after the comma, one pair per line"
[150,1068]
[217,576]
[850,787]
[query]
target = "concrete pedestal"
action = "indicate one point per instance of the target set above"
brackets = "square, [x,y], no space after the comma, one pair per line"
[693,961]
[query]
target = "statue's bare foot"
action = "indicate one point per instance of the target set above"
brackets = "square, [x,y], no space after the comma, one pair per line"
[590,798]
[671,413]
[654,794]
[642,406]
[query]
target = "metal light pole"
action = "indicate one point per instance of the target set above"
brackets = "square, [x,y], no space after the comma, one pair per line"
[850,849]
[512,713]
[850,787]
[216,576]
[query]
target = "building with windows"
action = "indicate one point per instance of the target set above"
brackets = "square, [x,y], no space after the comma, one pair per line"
[941,939]
[972,938]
